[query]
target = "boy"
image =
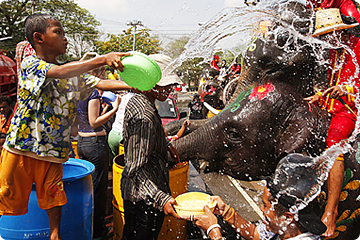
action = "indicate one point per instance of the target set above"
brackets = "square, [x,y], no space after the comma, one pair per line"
[286,208]
[39,135]
[145,179]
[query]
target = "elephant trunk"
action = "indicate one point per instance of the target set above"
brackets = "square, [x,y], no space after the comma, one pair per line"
[196,145]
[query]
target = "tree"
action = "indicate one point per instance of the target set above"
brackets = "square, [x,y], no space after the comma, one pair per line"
[190,69]
[78,22]
[144,42]
[12,16]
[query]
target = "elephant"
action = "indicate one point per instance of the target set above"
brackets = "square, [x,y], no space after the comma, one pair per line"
[210,89]
[268,118]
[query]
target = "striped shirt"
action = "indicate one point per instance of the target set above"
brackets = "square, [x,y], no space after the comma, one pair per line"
[146,174]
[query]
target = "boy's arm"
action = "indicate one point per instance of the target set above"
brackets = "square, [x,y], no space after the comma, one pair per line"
[108,85]
[77,68]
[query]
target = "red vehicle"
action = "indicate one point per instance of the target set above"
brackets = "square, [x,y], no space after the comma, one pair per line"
[168,110]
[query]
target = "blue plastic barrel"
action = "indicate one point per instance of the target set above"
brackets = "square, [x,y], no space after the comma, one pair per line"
[77,214]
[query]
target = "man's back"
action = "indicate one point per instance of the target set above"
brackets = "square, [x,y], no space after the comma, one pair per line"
[145,176]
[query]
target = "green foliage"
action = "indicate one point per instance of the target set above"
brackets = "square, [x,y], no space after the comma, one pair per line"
[12,16]
[74,19]
[144,42]
[190,69]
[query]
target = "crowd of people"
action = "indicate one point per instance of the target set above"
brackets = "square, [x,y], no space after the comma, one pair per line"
[225,73]
[38,135]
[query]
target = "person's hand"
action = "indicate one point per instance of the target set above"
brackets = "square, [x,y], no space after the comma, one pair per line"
[135,90]
[220,206]
[169,208]
[335,92]
[115,104]
[203,221]
[187,123]
[313,99]
[174,153]
[113,60]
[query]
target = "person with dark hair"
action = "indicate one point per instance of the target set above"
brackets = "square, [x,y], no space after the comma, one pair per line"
[145,179]
[92,146]
[38,139]
[5,117]
[288,208]
[235,69]
[113,75]
[196,107]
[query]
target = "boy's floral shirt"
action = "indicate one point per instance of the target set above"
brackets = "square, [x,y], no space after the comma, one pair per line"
[46,110]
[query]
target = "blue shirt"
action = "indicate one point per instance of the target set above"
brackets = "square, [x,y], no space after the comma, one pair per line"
[83,113]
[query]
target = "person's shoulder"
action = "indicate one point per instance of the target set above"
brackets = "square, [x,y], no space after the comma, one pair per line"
[136,102]
[95,94]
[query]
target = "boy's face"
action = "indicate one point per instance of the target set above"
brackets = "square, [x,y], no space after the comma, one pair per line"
[271,220]
[54,40]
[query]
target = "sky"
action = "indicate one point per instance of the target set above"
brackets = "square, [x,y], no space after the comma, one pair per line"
[167,18]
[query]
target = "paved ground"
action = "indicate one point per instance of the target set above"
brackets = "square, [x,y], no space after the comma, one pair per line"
[245,197]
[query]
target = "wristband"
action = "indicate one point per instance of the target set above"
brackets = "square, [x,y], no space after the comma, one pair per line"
[232,214]
[212,227]
[226,210]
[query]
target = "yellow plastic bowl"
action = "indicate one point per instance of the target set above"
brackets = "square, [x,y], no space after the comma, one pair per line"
[192,203]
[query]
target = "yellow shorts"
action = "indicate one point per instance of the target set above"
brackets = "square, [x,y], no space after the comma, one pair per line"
[17,175]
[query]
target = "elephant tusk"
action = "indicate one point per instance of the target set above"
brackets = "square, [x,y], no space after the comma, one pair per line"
[211,109]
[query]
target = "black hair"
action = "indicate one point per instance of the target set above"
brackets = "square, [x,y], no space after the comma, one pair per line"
[278,208]
[38,22]
[6,99]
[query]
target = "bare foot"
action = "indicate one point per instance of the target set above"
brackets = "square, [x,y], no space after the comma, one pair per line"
[329,219]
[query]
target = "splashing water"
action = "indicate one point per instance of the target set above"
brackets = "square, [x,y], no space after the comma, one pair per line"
[231,30]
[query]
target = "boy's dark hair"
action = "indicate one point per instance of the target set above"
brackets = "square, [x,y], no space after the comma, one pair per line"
[278,208]
[295,181]
[6,99]
[38,22]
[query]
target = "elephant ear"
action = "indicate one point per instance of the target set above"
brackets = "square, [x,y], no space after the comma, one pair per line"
[355,31]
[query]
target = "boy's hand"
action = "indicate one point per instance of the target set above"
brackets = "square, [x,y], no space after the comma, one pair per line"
[174,153]
[114,60]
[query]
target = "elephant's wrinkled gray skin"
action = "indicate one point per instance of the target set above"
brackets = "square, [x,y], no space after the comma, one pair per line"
[247,139]
[250,135]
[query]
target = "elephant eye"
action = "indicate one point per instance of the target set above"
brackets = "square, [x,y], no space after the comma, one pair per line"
[233,134]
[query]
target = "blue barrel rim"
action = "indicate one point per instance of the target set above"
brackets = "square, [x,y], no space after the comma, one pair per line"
[90,168]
